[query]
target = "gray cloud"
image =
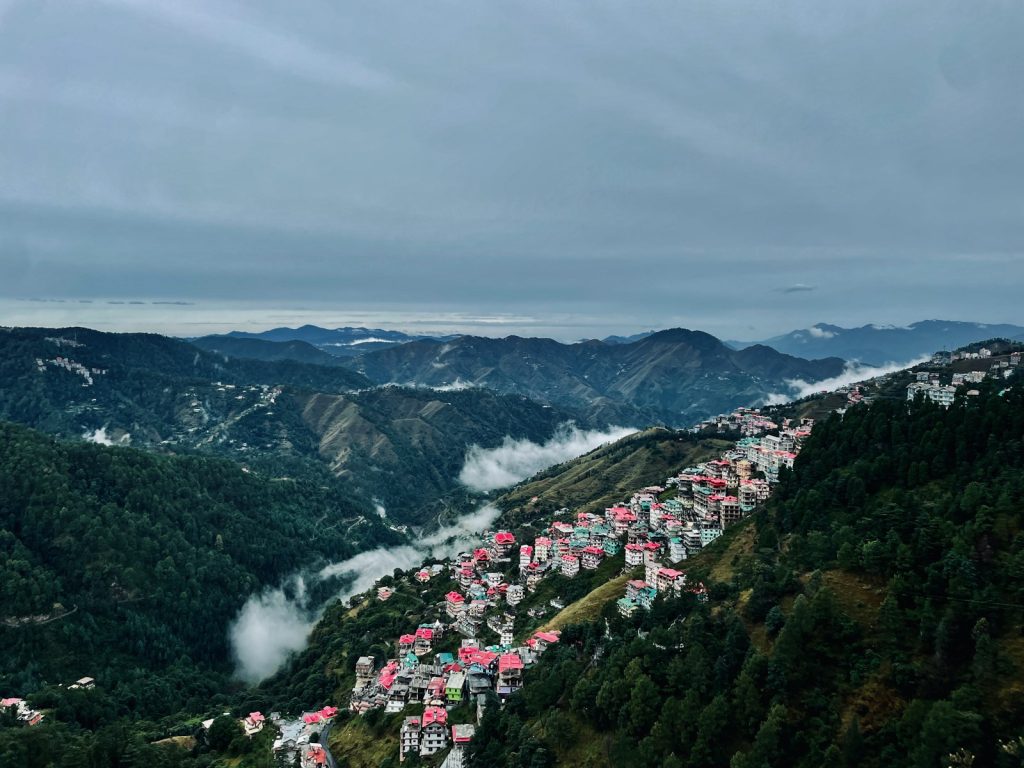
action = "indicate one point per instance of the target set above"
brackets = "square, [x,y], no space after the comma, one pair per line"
[508,158]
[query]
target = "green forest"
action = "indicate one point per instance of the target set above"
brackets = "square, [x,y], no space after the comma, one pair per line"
[874,618]
[128,567]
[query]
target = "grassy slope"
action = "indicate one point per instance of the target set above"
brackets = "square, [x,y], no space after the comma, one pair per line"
[607,474]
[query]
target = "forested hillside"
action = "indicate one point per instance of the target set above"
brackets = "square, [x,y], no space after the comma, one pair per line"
[871,616]
[114,561]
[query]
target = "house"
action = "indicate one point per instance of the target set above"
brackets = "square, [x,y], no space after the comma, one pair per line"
[542,548]
[434,734]
[651,568]
[405,644]
[626,607]
[422,641]
[384,593]
[570,565]
[543,639]
[365,670]
[591,557]
[503,543]
[676,549]
[510,673]
[410,739]
[525,556]
[462,734]
[254,723]
[669,579]
[634,555]
[422,576]
[83,682]
[455,604]
[454,688]
[315,755]
[515,594]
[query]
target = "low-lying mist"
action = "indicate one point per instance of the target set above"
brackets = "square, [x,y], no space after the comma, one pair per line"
[487,469]
[276,623]
[853,373]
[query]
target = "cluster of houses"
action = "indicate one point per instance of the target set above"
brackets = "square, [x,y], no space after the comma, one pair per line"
[22,710]
[442,681]
[709,498]
[71,366]
[929,383]
[295,743]
[748,422]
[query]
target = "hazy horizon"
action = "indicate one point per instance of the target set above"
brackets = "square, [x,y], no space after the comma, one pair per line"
[574,168]
[191,319]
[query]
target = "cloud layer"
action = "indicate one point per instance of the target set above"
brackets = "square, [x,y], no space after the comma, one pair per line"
[852,373]
[514,460]
[275,624]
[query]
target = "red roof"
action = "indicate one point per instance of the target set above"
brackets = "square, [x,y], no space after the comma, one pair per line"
[542,540]
[454,597]
[407,639]
[424,633]
[670,573]
[592,550]
[435,715]
[504,537]
[509,661]
[652,546]
[481,554]
[547,637]
[635,547]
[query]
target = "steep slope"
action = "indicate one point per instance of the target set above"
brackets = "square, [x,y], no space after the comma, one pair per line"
[406,447]
[114,561]
[608,474]
[869,617]
[877,345]
[675,377]
[403,447]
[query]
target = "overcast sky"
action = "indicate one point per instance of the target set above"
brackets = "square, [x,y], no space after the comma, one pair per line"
[554,167]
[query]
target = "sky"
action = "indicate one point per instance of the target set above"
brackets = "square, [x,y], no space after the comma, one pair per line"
[552,168]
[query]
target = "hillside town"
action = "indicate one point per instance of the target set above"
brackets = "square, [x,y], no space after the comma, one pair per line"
[654,531]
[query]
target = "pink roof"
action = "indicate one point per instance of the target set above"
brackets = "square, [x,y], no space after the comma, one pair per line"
[10,702]
[482,554]
[526,549]
[593,550]
[454,597]
[652,546]
[638,583]
[635,547]
[424,633]
[328,712]
[435,715]
[547,637]
[407,639]
[569,559]
[542,540]
[509,661]
[313,717]
[386,679]
[504,537]
[256,717]
[670,573]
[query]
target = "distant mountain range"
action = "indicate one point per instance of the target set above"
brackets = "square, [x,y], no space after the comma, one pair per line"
[404,447]
[880,344]
[340,342]
[675,377]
